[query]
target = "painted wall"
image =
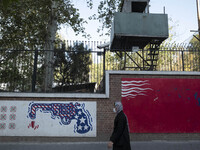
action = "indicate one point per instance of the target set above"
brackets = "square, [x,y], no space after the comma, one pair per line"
[47,118]
[100,107]
[161,105]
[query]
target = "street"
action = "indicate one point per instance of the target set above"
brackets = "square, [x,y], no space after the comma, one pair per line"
[145,145]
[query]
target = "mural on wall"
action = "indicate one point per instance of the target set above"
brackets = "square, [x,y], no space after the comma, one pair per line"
[161,105]
[42,118]
[7,114]
[66,113]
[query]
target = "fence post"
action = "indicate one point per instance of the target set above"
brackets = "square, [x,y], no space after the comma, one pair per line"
[104,69]
[104,62]
[183,60]
[34,71]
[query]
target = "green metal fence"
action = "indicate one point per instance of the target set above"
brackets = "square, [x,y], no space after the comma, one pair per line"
[22,67]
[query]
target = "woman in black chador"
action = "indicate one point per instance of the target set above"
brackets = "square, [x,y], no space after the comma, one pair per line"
[120,139]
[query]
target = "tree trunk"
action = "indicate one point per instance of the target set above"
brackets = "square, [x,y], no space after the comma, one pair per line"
[49,50]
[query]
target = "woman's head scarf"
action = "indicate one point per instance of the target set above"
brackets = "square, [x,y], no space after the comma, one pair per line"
[118,106]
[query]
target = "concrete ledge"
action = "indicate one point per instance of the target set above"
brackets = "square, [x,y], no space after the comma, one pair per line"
[53,95]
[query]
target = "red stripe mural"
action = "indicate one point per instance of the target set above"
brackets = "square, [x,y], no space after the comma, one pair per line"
[160,105]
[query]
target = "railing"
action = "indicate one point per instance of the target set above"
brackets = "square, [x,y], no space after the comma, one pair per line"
[170,58]
[22,69]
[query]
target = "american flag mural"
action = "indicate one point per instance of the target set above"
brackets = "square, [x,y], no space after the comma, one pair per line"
[131,89]
[161,105]
[46,118]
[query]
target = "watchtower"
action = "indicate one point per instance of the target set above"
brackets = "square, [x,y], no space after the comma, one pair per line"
[134,28]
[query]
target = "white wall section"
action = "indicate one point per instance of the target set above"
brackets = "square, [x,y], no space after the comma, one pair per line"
[48,118]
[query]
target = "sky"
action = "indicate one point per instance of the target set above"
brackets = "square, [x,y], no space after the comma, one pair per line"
[182,15]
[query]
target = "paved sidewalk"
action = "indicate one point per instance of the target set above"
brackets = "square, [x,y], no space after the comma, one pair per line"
[150,145]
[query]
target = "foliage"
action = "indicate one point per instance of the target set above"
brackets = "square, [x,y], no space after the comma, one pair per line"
[27,20]
[32,24]
[194,54]
[16,70]
[106,10]
[195,41]
[72,66]
[7,2]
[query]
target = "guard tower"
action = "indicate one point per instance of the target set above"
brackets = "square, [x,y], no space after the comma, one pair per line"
[134,28]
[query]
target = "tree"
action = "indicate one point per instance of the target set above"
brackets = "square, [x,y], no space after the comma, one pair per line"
[36,22]
[16,70]
[72,65]
[30,25]
[7,2]
[30,20]
[195,41]
[194,47]
[106,10]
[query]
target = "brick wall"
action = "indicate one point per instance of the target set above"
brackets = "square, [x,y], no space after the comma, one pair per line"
[105,115]
[115,94]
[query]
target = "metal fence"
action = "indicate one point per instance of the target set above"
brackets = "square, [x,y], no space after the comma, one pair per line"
[22,68]
[170,57]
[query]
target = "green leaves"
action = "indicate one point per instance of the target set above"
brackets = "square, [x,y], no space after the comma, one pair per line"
[32,24]
[28,19]
[106,10]
[7,2]
[72,66]
[194,41]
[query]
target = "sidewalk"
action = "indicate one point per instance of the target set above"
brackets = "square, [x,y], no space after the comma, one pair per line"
[149,145]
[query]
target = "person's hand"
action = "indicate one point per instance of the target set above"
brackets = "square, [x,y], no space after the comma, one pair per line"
[110,144]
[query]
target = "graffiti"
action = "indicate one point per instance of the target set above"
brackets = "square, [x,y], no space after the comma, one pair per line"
[197,98]
[66,112]
[7,117]
[48,118]
[32,125]
[3,117]
[3,108]
[2,126]
[13,109]
[12,117]
[12,126]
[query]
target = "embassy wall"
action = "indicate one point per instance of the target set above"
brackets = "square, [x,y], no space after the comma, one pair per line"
[85,117]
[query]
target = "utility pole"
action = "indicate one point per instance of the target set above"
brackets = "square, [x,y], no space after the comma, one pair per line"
[198,17]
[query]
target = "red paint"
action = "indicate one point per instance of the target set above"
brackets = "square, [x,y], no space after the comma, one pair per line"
[32,125]
[172,106]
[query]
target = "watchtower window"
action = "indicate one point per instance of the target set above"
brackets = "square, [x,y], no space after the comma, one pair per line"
[138,7]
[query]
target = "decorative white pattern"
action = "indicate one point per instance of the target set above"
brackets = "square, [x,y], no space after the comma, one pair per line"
[131,89]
